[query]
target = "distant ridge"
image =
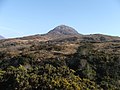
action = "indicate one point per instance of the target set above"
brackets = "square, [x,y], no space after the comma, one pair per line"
[67,33]
[1,37]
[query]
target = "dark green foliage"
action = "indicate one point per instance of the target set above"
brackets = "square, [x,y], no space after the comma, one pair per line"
[45,77]
[39,68]
[98,66]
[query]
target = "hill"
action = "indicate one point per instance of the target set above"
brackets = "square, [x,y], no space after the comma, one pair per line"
[71,62]
[63,30]
[63,33]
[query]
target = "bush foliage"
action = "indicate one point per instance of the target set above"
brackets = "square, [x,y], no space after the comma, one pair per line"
[87,69]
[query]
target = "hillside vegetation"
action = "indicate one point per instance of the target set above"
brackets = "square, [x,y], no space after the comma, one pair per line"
[68,65]
[62,59]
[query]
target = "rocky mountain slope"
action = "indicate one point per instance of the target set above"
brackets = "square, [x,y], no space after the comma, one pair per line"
[63,30]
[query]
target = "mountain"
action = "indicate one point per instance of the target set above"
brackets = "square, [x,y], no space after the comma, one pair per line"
[63,33]
[61,59]
[67,33]
[59,32]
[1,37]
[63,30]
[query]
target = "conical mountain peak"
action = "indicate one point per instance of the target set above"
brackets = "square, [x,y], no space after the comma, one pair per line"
[63,30]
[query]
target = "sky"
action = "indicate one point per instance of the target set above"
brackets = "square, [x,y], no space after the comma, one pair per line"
[28,17]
